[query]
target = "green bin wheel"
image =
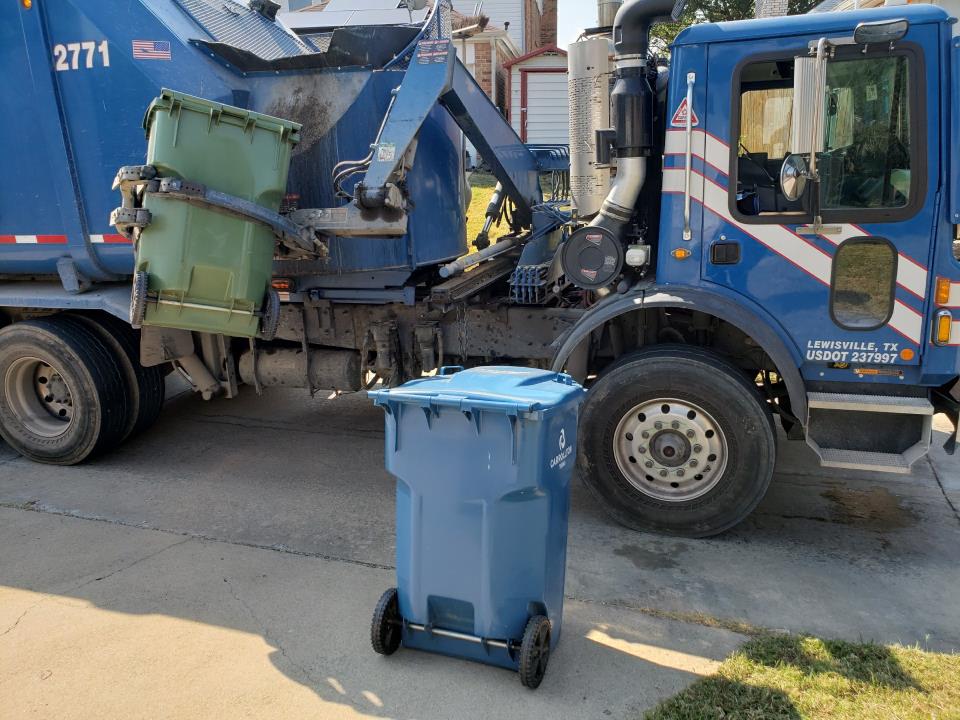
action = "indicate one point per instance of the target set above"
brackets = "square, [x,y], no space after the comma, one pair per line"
[385,630]
[138,298]
[535,651]
[270,319]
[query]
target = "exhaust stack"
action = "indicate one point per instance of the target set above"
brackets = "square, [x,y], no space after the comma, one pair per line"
[593,257]
[631,29]
[607,12]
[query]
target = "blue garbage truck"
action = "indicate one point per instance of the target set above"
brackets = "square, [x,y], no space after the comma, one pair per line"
[777,245]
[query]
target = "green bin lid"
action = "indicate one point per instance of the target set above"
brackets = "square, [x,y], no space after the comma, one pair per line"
[219,113]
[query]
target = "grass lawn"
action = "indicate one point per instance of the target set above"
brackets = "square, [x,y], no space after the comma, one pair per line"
[789,677]
[482,185]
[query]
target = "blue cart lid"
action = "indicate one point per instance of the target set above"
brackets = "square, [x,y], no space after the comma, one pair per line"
[510,390]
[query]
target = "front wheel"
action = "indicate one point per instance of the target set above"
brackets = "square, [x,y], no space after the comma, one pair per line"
[677,440]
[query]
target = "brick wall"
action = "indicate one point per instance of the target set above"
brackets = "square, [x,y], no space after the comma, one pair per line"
[531,30]
[548,23]
[483,67]
[503,102]
[770,8]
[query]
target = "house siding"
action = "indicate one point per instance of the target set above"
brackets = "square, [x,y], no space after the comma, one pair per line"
[547,99]
[501,12]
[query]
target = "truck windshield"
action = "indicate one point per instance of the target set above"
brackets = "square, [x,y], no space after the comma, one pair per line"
[866,158]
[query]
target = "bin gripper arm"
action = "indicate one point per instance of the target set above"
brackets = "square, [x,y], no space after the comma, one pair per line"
[436,76]
[135,181]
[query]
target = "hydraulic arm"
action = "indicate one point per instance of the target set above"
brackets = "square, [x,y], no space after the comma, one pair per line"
[436,76]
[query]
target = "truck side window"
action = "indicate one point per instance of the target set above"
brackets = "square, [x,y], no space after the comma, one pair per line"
[763,138]
[863,287]
[866,158]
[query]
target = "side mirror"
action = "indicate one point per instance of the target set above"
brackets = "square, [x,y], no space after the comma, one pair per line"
[882,32]
[793,177]
[807,96]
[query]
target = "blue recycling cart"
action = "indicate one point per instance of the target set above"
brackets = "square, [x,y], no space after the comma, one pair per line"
[483,460]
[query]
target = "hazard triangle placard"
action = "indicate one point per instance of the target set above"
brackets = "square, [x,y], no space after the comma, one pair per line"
[680,116]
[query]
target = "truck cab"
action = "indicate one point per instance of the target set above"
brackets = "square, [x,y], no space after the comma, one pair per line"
[807,225]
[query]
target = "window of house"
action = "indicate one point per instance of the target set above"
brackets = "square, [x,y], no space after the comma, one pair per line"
[766,119]
[864,283]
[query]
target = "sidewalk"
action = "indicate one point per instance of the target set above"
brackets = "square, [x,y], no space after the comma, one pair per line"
[100,620]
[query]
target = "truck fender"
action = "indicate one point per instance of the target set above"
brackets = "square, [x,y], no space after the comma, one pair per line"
[749,318]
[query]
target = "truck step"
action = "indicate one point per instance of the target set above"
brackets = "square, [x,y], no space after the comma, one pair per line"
[860,460]
[870,403]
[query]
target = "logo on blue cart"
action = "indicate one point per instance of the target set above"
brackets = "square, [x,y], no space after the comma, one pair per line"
[561,458]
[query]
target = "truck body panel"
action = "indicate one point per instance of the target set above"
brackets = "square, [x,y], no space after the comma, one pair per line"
[782,268]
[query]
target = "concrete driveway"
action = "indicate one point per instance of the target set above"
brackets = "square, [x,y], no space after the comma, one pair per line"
[226,565]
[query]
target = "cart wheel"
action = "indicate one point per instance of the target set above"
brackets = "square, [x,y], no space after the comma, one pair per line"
[138,298]
[385,628]
[535,651]
[270,320]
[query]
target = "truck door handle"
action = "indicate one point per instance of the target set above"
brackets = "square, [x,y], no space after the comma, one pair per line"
[688,171]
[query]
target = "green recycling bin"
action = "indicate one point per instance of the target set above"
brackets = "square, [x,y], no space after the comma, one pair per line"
[202,269]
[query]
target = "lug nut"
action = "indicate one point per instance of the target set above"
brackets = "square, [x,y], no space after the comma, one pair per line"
[658,425]
[645,435]
[663,473]
[680,472]
[648,463]
[642,450]
[690,434]
[697,448]
[694,463]
[675,425]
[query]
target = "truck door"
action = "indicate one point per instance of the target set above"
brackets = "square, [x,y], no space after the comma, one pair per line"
[852,292]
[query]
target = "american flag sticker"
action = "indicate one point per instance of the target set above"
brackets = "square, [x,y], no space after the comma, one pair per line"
[151,50]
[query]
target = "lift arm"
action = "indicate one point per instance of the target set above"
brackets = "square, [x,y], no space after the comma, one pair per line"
[436,76]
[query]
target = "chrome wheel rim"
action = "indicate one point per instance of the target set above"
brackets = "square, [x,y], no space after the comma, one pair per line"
[671,450]
[39,396]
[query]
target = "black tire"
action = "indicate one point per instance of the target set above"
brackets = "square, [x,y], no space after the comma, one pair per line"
[712,383]
[145,385]
[138,298]
[270,319]
[95,391]
[386,626]
[534,652]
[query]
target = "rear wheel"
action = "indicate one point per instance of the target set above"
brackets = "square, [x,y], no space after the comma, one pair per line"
[534,652]
[677,440]
[62,395]
[386,626]
[145,385]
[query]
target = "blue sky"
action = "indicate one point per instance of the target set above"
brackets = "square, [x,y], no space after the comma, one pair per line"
[575,15]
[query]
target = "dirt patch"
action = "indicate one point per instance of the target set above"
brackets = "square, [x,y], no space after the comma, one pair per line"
[877,509]
[303,105]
